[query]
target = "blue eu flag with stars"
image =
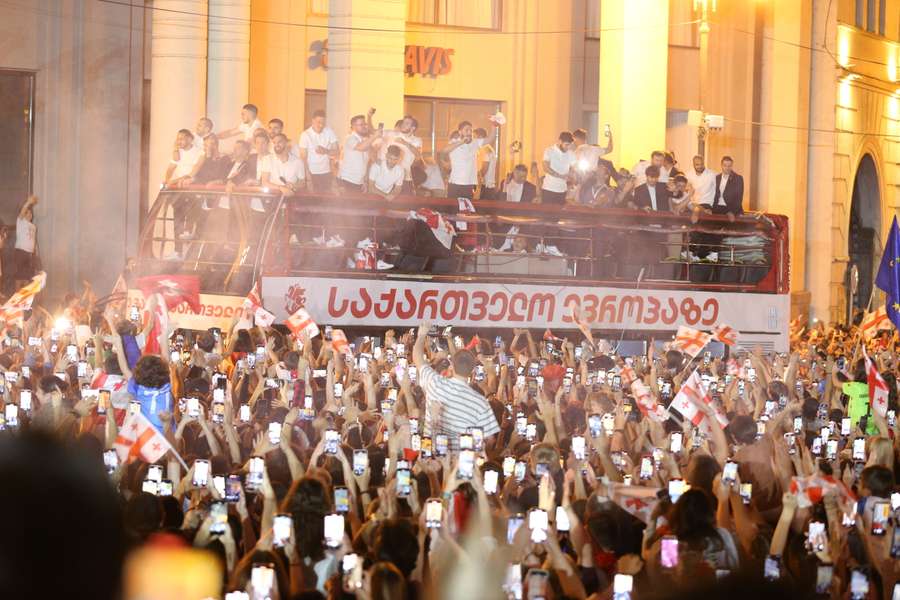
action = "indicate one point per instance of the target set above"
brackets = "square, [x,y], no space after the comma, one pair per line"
[888,278]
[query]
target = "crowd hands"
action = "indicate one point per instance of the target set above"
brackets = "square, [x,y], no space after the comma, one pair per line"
[389,162]
[419,464]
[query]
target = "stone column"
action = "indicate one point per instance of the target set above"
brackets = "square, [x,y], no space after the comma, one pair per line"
[822,232]
[228,63]
[365,65]
[178,79]
[634,51]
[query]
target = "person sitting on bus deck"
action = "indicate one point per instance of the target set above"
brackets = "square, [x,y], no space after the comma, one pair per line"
[216,165]
[282,170]
[386,178]
[653,195]
[186,160]
[601,189]
[355,156]
[204,128]
[517,188]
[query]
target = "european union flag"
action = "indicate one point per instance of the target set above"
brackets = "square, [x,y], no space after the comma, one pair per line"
[888,278]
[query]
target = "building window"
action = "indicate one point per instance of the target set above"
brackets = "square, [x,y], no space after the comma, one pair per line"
[313,100]
[318,7]
[860,11]
[479,14]
[870,16]
[17,133]
[882,12]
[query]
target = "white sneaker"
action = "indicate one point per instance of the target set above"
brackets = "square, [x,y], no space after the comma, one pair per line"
[713,257]
[186,235]
[383,266]
[294,241]
[552,251]
[694,257]
[334,242]
[319,241]
[684,255]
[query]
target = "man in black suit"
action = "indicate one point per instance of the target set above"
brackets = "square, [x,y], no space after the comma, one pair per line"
[652,195]
[517,188]
[729,196]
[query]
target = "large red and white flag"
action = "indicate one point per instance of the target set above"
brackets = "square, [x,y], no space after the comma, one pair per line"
[441,228]
[300,322]
[647,403]
[692,395]
[138,438]
[636,500]
[254,297]
[725,334]
[13,311]
[160,319]
[811,489]
[878,389]
[174,290]
[263,318]
[339,342]
[690,341]
[875,322]
[107,381]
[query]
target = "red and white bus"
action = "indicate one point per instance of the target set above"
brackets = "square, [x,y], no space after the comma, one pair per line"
[634,274]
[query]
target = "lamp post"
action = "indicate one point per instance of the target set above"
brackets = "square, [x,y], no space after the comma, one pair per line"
[703,7]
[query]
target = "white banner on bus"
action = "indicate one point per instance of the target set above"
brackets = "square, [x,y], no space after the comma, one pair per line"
[404,303]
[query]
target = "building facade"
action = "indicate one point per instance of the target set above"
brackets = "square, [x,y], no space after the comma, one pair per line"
[808,91]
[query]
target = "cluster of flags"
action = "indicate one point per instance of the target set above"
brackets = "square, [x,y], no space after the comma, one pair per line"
[692,402]
[13,311]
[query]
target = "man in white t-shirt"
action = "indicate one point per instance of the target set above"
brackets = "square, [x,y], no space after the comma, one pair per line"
[588,155]
[316,147]
[703,181]
[386,177]
[248,125]
[559,168]
[186,160]
[487,166]
[283,171]
[355,157]
[462,152]
[410,146]
[657,158]
[276,126]
[26,241]
[204,128]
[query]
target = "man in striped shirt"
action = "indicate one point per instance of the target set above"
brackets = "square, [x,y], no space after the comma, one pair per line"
[452,407]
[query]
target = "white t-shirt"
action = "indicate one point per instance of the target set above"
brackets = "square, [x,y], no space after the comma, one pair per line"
[319,164]
[463,163]
[26,234]
[560,162]
[434,179]
[291,170]
[487,154]
[386,178]
[247,129]
[640,173]
[590,154]
[354,162]
[704,185]
[393,137]
[187,160]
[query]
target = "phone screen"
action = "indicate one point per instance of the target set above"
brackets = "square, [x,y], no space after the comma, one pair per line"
[859,449]
[578,447]
[562,519]
[669,551]
[201,473]
[334,530]
[332,441]
[341,500]
[537,523]
[404,485]
[262,579]
[434,510]
[255,472]
[274,433]
[282,527]
[881,511]
[823,578]
[233,488]
[490,481]
[772,568]
[466,466]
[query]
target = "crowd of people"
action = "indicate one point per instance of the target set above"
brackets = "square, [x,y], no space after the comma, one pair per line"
[291,461]
[389,162]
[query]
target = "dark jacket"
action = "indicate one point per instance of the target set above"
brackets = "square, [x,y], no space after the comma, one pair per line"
[733,197]
[642,197]
[529,191]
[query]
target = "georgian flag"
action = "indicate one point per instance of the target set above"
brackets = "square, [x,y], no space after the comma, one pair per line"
[339,342]
[878,389]
[254,297]
[647,403]
[688,401]
[875,322]
[13,311]
[810,490]
[301,322]
[690,341]
[637,500]
[138,438]
[263,318]
[725,334]
[441,228]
